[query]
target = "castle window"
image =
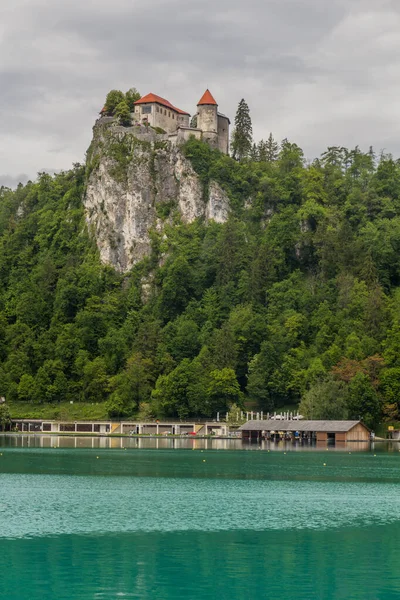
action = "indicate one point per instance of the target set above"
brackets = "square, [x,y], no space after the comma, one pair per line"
[173,116]
[146,110]
[157,109]
[165,112]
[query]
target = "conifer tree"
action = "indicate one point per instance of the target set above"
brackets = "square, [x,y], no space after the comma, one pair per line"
[262,151]
[271,149]
[242,137]
[193,122]
[254,156]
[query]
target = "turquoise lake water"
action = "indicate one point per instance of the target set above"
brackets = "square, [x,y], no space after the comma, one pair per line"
[93,523]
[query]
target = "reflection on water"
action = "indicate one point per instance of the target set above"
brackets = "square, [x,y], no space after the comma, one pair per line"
[337,564]
[100,524]
[170,443]
[145,443]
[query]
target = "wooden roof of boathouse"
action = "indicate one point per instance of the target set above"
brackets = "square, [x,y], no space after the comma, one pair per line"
[299,425]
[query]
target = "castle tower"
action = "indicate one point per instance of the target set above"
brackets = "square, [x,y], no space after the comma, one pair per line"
[207,118]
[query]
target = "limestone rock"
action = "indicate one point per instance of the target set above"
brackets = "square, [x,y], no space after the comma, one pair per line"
[135,183]
[218,203]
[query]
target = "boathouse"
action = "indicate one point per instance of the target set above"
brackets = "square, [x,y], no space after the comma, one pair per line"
[320,431]
[120,427]
[45,426]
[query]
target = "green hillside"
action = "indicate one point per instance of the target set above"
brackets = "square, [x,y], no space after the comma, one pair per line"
[295,298]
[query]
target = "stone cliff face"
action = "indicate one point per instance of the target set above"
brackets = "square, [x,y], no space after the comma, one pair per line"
[136,185]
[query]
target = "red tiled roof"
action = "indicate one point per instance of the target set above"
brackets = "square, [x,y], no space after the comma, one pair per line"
[150,98]
[207,98]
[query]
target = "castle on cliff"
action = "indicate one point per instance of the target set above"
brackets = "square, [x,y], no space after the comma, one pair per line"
[211,126]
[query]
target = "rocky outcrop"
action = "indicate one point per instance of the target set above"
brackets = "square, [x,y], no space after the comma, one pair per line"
[136,183]
[217,207]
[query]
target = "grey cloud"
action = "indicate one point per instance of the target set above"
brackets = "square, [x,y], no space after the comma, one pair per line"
[311,71]
[224,32]
[12,182]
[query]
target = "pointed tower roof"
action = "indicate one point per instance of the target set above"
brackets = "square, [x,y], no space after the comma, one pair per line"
[207,98]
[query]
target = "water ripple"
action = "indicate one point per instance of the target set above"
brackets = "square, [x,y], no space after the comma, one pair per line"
[42,505]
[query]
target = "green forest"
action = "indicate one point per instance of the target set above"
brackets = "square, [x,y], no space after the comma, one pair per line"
[294,300]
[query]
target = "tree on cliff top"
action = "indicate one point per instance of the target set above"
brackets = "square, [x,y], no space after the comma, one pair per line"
[242,137]
[131,97]
[123,114]
[114,97]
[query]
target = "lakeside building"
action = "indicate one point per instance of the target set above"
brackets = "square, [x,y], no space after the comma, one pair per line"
[253,430]
[48,426]
[320,431]
[119,427]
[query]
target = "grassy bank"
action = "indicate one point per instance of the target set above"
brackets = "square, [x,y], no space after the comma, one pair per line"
[64,411]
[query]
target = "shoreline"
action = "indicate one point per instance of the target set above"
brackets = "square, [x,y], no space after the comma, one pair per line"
[116,435]
[160,436]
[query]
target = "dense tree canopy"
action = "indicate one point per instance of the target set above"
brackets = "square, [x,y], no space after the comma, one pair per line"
[295,298]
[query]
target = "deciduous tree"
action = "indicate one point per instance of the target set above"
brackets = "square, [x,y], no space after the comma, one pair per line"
[5,416]
[113,99]
[123,114]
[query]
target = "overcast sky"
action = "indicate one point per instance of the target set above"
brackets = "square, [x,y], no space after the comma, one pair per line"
[319,72]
